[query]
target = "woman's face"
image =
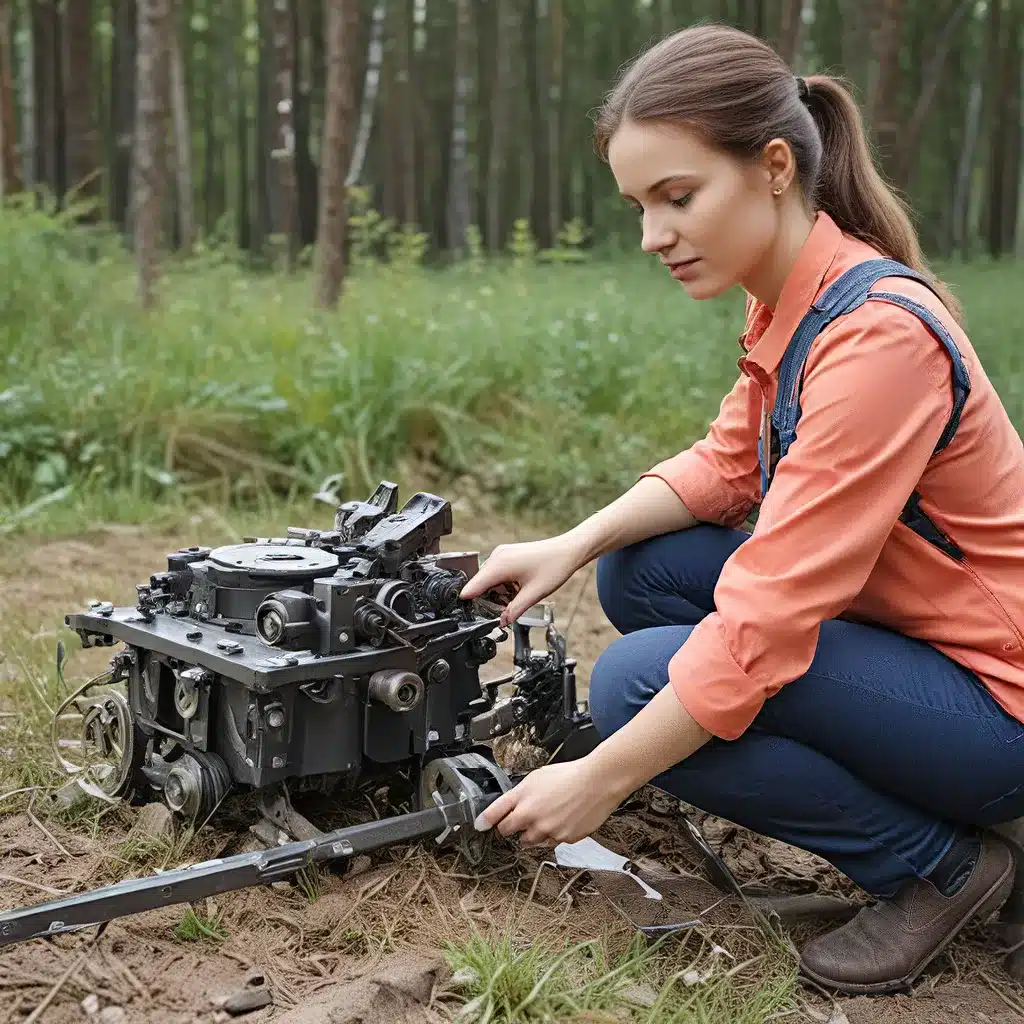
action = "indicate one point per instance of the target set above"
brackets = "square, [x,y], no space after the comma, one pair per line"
[711,218]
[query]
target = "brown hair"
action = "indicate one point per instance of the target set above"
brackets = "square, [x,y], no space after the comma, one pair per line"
[738,93]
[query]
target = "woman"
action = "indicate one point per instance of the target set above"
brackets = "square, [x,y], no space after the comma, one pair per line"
[848,678]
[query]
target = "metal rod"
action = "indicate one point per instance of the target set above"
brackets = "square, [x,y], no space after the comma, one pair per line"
[208,878]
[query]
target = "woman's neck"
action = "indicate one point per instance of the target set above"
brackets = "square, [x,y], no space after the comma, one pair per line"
[766,280]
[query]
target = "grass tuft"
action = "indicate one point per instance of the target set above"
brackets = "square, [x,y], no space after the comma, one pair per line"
[512,981]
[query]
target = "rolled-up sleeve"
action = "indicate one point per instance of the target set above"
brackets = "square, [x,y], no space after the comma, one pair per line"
[718,478]
[876,397]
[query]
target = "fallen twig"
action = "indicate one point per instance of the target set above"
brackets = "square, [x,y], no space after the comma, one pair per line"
[1002,994]
[42,828]
[59,984]
[33,885]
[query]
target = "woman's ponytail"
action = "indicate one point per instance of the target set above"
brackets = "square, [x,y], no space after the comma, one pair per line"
[849,188]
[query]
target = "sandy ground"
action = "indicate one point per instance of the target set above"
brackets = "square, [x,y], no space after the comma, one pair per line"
[368,949]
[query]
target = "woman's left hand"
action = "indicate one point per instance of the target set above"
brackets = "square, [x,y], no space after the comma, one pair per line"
[557,803]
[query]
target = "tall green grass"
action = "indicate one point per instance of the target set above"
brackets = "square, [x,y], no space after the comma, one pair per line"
[550,386]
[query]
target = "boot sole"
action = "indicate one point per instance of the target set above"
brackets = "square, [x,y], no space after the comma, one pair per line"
[988,904]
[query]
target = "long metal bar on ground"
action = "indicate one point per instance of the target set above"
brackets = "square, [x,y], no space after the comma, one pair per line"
[136,895]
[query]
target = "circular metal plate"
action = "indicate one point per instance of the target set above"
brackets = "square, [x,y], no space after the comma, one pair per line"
[275,559]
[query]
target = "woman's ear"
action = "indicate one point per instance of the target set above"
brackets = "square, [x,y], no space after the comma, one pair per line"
[778,164]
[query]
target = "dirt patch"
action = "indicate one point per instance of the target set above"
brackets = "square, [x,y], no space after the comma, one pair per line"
[367,947]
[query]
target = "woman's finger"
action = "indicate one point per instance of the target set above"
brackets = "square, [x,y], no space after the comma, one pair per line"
[519,605]
[519,819]
[496,811]
[484,579]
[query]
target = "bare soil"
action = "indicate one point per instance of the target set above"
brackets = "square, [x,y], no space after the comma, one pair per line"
[369,948]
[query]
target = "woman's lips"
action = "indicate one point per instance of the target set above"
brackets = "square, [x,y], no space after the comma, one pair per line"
[685,271]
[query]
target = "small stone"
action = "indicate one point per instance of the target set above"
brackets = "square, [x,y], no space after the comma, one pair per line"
[91,1004]
[360,864]
[68,796]
[155,821]
[639,994]
[113,1015]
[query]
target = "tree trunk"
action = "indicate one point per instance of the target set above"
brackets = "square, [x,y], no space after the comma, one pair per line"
[305,169]
[791,32]
[122,110]
[82,138]
[371,83]
[49,89]
[536,88]
[26,59]
[341,30]
[284,192]
[241,80]
[554,119]
[11,180]
[997,129]
[152,85]
[506,43]
[910,135]
[884,116]
[965,167]
[459,204]
[1013,81]
[406,104]
[182,143]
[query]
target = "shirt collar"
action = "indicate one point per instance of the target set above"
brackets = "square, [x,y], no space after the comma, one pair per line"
[799,291]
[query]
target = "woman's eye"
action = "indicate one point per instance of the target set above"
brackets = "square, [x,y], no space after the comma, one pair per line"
[682,200]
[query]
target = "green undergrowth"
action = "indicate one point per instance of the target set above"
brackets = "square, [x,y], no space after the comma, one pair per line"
[546,386]
[514,981]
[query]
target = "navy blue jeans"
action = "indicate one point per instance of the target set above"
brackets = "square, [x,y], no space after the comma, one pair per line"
[876,759]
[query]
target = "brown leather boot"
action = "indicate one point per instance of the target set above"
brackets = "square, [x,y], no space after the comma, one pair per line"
[887,945]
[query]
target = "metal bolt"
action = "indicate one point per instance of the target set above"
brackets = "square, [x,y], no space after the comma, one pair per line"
[278,762]
[275,718]
[439,671]
[248,761]
[343,637]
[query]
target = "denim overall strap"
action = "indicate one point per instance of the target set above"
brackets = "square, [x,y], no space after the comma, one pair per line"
[845,295]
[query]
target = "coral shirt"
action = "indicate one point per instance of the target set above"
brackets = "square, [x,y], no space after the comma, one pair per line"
[877,395]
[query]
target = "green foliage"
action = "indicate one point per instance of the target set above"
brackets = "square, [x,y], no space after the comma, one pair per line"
[475,256]
[552,387]
[507,981]
[569,247]
[522,245]
[195,927]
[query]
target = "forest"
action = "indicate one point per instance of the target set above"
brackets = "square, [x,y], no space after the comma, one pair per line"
[460,122]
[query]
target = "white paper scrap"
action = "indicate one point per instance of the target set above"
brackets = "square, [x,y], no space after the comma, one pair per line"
[589,853]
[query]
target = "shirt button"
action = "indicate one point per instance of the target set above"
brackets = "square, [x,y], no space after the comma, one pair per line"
[1008,646]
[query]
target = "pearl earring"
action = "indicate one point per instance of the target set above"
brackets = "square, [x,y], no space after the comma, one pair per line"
[777,191]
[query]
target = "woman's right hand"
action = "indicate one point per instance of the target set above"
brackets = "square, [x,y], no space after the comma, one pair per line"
[537,567]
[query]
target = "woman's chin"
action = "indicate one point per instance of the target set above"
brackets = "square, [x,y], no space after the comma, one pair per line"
[703,287]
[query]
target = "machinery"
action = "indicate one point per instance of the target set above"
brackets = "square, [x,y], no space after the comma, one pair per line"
[317,662]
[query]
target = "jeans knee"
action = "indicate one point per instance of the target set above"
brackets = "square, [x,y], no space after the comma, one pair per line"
[612,579]
[629,672]
[607,698]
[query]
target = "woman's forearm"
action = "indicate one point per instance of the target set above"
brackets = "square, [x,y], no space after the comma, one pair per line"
[649,508]
[660,735]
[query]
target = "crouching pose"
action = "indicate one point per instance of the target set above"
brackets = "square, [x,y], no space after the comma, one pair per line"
[849,676]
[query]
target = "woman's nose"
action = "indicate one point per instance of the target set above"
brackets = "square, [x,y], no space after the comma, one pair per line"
[657,234]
